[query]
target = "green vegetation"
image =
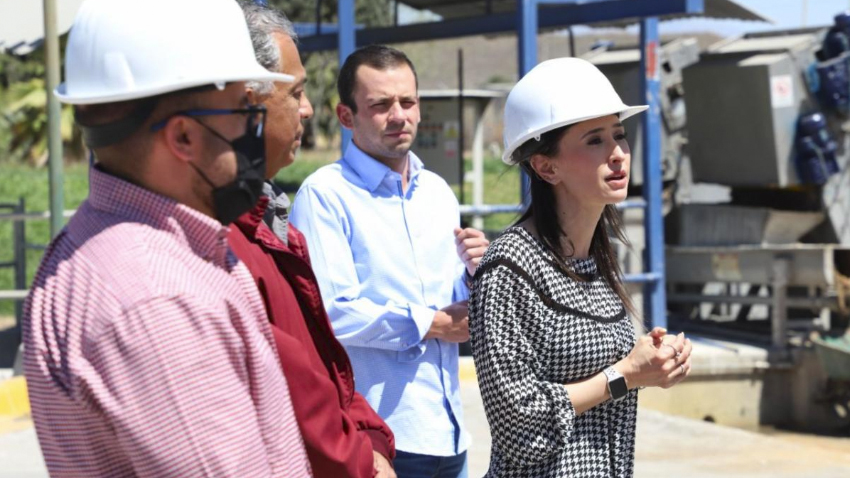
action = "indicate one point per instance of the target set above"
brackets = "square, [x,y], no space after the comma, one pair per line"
[501,186]
[21,181]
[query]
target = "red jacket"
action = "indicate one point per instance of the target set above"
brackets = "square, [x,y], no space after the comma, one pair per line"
[339,427]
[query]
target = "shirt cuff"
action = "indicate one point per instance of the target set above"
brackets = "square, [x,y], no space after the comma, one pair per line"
[423,317]
[415,347]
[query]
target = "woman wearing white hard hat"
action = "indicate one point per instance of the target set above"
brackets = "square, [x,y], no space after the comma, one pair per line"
[554,345]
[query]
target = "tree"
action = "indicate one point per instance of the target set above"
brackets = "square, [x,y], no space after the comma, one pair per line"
[323,67]
[23,112]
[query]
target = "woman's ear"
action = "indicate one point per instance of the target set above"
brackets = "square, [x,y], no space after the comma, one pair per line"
[545,167]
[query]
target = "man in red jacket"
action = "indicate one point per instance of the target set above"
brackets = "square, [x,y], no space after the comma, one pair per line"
[343,436]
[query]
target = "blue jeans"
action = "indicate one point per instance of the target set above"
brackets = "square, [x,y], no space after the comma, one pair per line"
[413,465]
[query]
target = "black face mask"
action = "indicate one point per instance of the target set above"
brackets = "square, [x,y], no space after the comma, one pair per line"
[233,199]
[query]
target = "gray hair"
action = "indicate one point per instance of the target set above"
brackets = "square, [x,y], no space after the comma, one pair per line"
[264,23]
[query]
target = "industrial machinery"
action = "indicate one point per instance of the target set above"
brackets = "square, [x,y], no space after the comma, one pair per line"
[756,156]
[766,116]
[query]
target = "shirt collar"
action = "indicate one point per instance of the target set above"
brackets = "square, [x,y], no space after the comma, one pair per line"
[194,229]
[372,171]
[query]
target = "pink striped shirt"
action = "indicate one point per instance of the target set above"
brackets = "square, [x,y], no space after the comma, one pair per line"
[148,351]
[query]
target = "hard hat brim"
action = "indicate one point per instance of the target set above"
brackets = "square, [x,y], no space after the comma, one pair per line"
[623,113]
[261,75]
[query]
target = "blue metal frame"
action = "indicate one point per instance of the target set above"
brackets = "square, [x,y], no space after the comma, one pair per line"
[345,46]
[561,15]
[655,296]
[557,13]
[527,24]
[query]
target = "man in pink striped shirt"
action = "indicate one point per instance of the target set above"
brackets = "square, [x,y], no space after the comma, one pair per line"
[147,347]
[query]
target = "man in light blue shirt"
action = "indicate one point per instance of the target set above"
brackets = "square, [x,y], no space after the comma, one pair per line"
[393,264]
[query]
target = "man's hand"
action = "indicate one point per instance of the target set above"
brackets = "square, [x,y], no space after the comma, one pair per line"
[471,246]
[383,467]
[451,323]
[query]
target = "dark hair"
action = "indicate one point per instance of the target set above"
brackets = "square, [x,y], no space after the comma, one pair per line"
[379,57]
[543,213]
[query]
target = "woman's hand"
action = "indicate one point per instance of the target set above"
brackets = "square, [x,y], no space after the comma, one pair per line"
[657,360]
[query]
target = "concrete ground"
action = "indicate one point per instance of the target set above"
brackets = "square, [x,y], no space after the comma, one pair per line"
[672,446]
[666,446]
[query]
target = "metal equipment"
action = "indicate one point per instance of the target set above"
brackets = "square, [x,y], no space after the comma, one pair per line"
[746,96]
[766,119]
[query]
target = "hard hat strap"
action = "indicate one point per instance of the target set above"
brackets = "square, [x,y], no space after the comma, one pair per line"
[108,134]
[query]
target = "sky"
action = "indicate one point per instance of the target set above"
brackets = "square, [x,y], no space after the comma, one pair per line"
[785,14]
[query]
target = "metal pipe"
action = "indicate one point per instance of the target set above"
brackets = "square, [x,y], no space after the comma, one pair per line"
[13,294]
[478,165]
[779,311]
[461,165]
[346,43]
[319,18]
[34,216]
[645,277]
[486,209]
[54,117]
[20,240]
[527,50]
[792,302]
[655,302]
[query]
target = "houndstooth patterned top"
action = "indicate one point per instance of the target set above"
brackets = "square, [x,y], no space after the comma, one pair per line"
[534,329]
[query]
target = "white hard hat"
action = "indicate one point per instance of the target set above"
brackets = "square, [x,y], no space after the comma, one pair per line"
[129,49]
[558,93]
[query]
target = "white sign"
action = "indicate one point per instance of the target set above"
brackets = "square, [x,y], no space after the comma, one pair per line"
[781,91]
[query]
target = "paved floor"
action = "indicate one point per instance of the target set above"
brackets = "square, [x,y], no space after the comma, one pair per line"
[666,446]
[20,456]
[669,446]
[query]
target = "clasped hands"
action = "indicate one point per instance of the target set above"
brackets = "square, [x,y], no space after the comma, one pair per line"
[658,360]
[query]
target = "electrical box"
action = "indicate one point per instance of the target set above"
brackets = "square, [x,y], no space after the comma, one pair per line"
[438,138]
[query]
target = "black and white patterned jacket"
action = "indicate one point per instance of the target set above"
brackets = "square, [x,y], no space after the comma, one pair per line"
[533,329]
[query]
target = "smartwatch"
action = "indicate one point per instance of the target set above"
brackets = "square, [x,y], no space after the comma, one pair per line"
[617,387]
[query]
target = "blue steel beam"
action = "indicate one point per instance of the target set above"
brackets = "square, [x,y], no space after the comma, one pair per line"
[553,16]
[527,22]
[346,44]
[645,277]
[485,209]
[655,300]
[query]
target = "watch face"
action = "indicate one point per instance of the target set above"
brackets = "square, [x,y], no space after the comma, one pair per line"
[618,388]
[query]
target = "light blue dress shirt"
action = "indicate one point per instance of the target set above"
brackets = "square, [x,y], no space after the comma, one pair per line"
[386,260]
